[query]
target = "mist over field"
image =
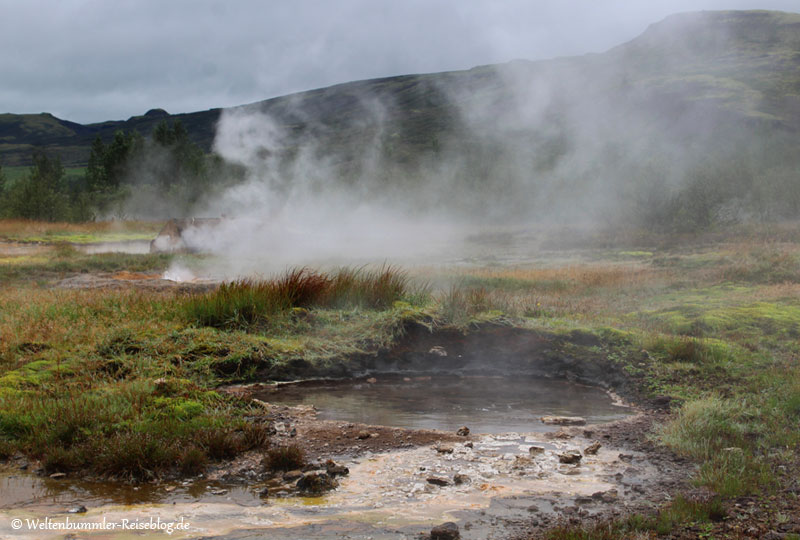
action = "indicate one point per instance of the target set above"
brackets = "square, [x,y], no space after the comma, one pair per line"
[670,132]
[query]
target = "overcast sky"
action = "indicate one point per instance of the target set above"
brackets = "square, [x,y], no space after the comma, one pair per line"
[94,60]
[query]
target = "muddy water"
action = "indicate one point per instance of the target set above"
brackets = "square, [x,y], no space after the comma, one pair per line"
[484,404]
[386,495]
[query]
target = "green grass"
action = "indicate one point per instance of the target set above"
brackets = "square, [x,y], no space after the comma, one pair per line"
[72,262]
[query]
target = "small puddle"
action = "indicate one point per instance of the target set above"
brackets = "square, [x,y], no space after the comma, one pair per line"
[484,404]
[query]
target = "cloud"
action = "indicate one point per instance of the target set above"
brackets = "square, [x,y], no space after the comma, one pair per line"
[92,60]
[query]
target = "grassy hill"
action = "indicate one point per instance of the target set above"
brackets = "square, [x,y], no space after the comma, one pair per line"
[729,66]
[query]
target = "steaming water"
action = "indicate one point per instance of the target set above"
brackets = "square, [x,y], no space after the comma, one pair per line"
[484,404]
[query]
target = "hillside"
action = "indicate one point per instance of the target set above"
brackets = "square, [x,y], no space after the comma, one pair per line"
[731,65]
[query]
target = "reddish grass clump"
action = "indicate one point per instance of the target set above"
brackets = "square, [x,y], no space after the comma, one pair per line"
[245,303]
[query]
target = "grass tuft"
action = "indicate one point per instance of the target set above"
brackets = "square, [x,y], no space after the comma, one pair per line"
[249,303]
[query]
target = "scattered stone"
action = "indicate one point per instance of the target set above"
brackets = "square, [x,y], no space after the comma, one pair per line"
[445,531]
[361,435]
[563,420]
[463,431]
[592,449]
[57,475]
[461,479]
[626,457]
[469,445]
[584,500]
[336,470]
[438,350]
[169,489]
[264,493]
[372,380]
[535,450]
[291,476]
[444,448]
[77,510]
[570,457]
[219,492]
[374,435]
[438,481]
[533,509]
[316,482]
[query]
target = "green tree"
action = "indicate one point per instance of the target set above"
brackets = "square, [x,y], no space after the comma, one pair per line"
[40,195]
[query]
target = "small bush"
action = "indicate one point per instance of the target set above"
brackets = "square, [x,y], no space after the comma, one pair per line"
[193,460]
[284,458]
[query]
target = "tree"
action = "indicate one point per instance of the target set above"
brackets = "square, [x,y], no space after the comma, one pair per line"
[40,195]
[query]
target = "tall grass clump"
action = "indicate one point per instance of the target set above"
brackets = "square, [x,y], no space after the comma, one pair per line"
[246,303]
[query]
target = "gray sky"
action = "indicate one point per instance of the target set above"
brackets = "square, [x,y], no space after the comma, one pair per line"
[94,60]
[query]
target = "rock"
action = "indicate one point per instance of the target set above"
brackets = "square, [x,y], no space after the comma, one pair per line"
[263,493]
[336,470]
[461,479]
[438,350]
[584,500]
[535,450]
[533,508]
[626,458]
[463,431]
[77,510]
[592,449]
[361,435]
[610,496]
[57,475]
[316,482]
[293,433]
[469,445]
[570,457]
[444,448]
[219,492]
[291,476]
[372,380]
[563,420]
[773,535]
[445,531]
[438,481]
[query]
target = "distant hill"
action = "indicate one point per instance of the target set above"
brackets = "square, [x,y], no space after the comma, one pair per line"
[732,70]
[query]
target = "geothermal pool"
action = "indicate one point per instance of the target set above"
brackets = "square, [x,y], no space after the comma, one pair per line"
[484,404]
